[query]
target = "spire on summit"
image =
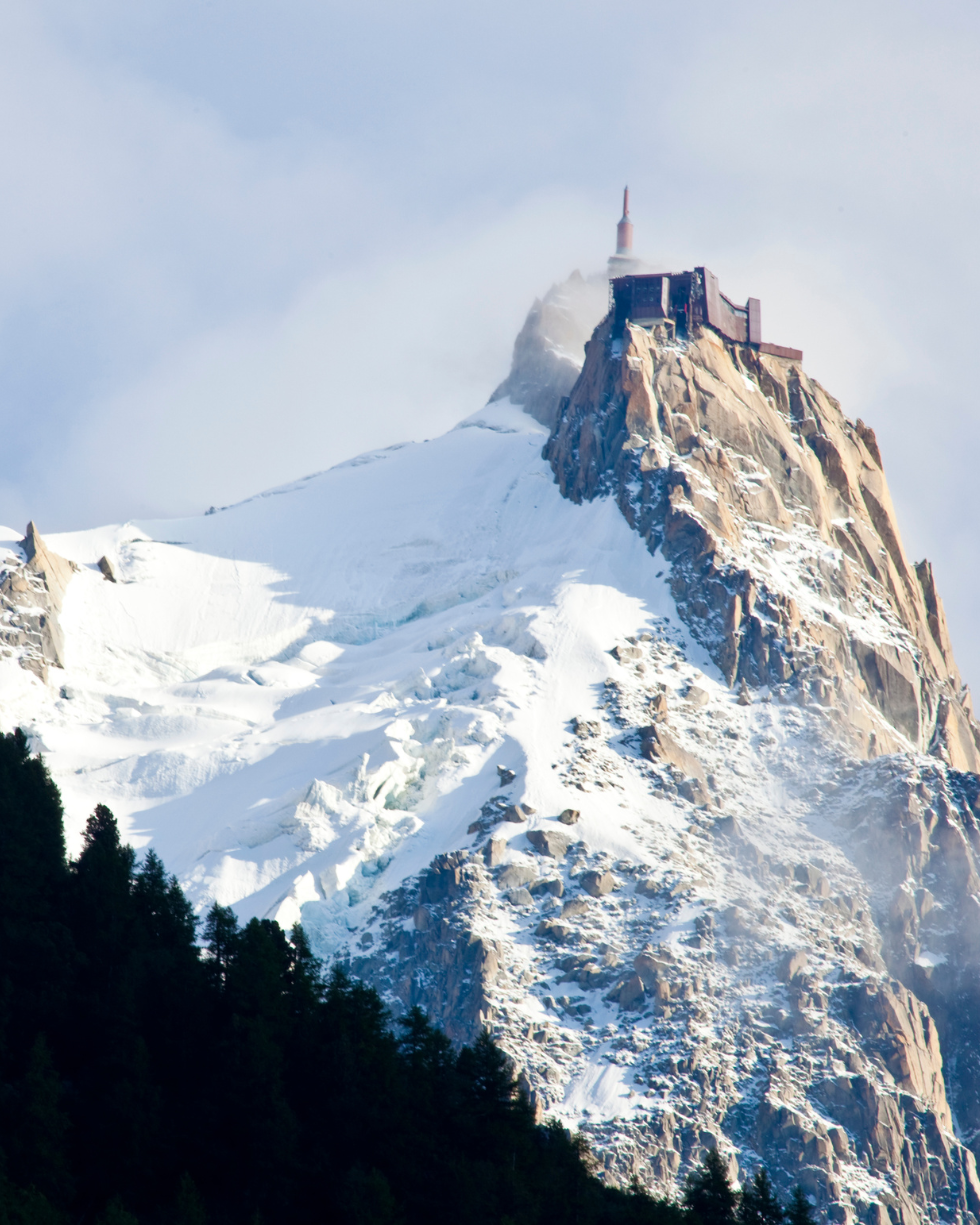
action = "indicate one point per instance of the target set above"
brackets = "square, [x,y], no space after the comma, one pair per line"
[624,231]
[623,261]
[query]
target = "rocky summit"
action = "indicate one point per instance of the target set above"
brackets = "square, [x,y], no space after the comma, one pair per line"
[622,725]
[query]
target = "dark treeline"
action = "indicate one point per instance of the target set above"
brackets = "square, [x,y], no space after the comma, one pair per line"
[145,1079]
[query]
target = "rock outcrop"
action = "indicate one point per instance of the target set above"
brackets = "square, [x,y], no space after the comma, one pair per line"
[442,965]
[913,827]
[773,512]
[32,590]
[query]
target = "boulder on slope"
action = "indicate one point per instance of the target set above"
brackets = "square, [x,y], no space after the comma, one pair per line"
[656,744]
[550,842]
[597,884]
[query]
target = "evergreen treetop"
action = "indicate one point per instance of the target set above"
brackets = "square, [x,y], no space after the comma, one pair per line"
[799,1210]
[708,1193]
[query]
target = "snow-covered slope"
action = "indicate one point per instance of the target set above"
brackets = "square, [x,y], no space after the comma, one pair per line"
[284,693]
[595,761]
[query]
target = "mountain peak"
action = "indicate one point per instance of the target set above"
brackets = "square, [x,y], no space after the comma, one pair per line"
[773,511]
[632,735]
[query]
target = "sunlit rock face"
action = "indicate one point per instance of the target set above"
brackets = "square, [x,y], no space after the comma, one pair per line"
[33,581]
[774,514]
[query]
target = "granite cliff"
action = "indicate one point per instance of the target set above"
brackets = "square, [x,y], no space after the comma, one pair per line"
[773,512]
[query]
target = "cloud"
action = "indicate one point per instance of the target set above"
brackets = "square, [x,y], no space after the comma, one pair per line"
[401,349]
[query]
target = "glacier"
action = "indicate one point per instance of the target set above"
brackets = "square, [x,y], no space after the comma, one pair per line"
[279,695]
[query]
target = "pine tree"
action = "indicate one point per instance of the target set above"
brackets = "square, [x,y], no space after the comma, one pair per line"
[484,1067]
[119,1117]
[32,840]
[305,975]
[220,938]
[368,1199]
[759,1204]
[165,974]
[799,1211]
[261,1161]
[30,1207]
[101,894]
[258,976]
[162,910]
[427,1049]
[709,1194]
[35,946]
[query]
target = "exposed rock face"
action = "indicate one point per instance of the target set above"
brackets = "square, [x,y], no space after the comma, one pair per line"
[913,827]
[774,514]
[817,1058]
[32,590]
[748,478]
[785,561]
[443,967]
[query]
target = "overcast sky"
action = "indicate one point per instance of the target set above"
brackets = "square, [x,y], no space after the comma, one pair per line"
[241,241]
